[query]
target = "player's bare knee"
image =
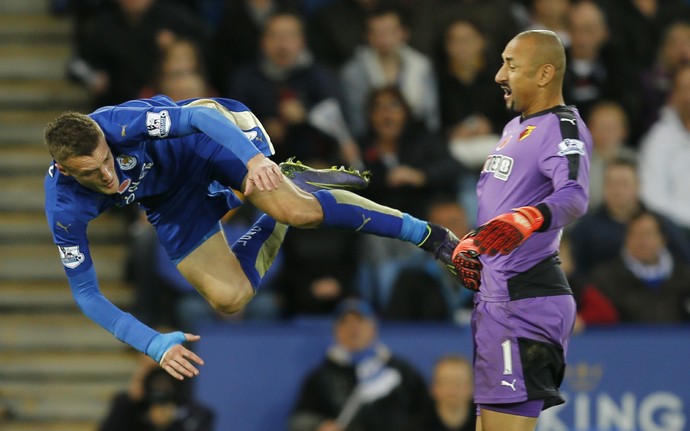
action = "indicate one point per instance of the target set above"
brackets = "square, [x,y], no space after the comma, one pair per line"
[234,299]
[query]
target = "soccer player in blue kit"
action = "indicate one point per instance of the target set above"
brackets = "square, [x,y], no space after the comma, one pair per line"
[533,184]
[178,161]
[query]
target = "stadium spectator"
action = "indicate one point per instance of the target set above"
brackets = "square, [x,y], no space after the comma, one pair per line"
[180,72]
[497,18]
[118,51]
[237,40]
[336,29]
[155,401]
[637,27]
[422,290]
[283,87]
[466,71]
[656,81]
[609,126]
[550,15]
[665,156]
[408,163]
[361,384]
[409,166]
[452,390]
[318,272]
[645,283]
[384,60]
[598,236]
[594,69]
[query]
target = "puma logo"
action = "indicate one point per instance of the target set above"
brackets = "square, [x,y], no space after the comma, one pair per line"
[365,220]
[510,385]
[123,133]
[62,226]
[570,120]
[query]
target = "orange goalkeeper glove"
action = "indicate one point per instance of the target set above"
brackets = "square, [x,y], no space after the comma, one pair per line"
[466,262]
[503,233]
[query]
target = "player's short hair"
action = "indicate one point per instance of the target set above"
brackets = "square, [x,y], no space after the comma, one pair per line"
[71,134]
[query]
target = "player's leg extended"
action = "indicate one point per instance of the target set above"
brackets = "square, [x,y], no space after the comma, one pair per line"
[229,278]
[342,209]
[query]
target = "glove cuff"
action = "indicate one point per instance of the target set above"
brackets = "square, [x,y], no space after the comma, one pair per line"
[534,217]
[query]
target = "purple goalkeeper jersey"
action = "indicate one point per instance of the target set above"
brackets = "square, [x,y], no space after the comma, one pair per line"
[543,158]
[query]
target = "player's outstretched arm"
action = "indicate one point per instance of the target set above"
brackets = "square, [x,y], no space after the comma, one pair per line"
[503,233]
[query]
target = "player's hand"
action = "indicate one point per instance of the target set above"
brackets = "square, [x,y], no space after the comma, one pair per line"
[263,174]
[467,263]
[503,233]
[180,362]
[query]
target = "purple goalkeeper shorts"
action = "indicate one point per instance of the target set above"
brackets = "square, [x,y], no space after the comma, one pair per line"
[520,347]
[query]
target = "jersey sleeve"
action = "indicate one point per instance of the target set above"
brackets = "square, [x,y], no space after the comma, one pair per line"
[565,160]
[230,124]
[68,218]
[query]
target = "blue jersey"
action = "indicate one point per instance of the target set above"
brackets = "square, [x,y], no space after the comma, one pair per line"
[178,161]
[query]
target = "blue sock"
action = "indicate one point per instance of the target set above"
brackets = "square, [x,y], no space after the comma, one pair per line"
[348,211]
[257,249]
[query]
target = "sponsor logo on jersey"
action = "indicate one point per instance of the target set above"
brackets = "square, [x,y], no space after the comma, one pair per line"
[158,123]
[500,166]
[126,161]
[62,226]
[571,146]
[123,133]
[525,133]
[124,185]
[71,256]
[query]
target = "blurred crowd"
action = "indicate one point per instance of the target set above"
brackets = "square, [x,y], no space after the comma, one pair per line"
[405,89]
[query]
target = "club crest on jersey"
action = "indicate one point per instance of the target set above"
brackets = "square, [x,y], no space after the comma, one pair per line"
[504,142]
[71,256]
[158,123]
[571,146]
[126,161]
[525,133]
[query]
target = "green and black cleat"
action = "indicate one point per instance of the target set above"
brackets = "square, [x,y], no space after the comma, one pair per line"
[310,179]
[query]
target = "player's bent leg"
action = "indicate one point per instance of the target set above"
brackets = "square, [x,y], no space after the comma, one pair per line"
[492,420]
[217,274]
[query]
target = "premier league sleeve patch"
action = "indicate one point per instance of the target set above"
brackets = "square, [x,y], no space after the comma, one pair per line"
[570,147]
[71,256]
[158,123]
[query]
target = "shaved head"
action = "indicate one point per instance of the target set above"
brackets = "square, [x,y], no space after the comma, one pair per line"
[532,72]
[546,48]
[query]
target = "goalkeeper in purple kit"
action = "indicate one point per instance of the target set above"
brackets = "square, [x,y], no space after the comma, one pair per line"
[533,184]
[179,162]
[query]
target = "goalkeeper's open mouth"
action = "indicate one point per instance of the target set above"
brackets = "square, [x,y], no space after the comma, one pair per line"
[507,92]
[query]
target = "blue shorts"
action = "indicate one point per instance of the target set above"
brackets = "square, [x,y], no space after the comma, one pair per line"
[192,210]
[519,349]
